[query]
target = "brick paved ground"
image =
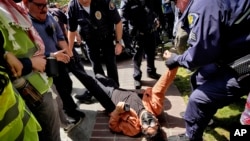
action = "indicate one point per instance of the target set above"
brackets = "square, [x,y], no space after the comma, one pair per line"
[95,125]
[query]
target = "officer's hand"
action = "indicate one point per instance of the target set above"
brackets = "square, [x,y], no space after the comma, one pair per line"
[118,49]
[157,23]
[167,54]
[170,59]
[38,63]
[61,56]
[14,64]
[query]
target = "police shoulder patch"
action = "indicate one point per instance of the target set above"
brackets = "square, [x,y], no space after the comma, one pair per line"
[192,19]
[111,5]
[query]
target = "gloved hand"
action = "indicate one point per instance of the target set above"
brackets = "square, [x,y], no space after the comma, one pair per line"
[170,62]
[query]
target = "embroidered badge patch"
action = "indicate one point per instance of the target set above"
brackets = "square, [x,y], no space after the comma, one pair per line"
[192,19]
[98,15]
[111,5]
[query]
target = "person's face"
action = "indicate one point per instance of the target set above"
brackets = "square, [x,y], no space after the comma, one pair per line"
[182,4]
[150,128]
[85,2]
[38,9]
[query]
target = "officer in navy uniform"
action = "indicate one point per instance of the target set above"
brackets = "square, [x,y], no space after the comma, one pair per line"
[143,16]
[218,41]
[97,20]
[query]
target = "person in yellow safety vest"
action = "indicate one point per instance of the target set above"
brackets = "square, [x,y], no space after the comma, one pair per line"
[17,123]
[18,36]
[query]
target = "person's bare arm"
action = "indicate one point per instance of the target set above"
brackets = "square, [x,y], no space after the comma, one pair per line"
[71,39]
[118,32]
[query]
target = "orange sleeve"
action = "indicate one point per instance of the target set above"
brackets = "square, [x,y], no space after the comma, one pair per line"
[153,98]
[126,123]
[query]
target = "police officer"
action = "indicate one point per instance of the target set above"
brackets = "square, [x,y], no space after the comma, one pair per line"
[218,37]
[96,20]
[143,15]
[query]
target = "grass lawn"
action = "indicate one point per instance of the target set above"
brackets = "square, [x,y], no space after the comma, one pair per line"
[224,119]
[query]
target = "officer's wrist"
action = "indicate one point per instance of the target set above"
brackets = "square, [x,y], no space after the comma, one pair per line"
[118,41]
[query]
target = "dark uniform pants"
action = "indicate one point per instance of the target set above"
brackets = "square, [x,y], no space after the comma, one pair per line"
[76,66]
[63,85]
[147,45]
[213,88]
[105,46]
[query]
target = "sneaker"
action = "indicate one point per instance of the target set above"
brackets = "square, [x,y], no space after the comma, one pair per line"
[155,76]
[86,98]
[180,137]
[137,84]
[72,124]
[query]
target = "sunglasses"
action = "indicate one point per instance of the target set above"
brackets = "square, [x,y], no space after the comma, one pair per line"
[40,5]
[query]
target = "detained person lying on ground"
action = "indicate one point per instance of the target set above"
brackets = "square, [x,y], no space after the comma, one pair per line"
[144,106]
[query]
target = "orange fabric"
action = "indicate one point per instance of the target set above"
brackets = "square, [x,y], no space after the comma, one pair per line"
[153,98]
[128,123]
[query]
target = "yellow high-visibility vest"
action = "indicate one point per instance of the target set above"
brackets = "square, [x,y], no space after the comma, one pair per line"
[17,123]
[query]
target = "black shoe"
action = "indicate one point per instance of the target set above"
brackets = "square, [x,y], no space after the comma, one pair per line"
[180,137]
[79,113]
[74,114]
[154,75]
[72,124]
[85,98]
[137,84]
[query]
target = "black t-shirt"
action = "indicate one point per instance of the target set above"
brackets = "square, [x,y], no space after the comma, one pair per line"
[129,97]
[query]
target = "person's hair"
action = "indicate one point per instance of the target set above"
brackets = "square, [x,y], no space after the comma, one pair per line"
[150,118]
[158,136]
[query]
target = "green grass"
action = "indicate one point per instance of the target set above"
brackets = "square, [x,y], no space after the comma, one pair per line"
[224,119]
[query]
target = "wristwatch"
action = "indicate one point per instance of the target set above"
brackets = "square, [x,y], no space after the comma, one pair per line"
[118,42]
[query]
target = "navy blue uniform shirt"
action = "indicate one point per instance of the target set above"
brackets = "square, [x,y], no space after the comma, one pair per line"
[219,30]
[50,32]
[103,15]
